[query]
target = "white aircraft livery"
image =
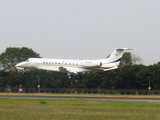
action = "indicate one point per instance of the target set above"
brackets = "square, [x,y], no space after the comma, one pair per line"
[74,66]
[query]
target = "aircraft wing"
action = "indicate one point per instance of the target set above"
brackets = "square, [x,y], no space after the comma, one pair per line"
[65,69]
[77,70]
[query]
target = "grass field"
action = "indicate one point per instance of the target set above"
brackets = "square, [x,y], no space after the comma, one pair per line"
[22,109]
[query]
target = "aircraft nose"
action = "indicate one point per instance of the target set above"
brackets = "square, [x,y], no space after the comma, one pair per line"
[16,65]
[19,64]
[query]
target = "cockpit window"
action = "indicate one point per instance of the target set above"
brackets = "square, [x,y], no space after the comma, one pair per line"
[27,60]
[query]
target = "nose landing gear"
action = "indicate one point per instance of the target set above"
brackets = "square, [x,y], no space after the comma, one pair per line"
[21,69]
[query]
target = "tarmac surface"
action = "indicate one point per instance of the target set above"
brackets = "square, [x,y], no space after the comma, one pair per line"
[109,98]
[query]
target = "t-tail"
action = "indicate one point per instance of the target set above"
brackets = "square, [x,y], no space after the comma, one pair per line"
[116,56]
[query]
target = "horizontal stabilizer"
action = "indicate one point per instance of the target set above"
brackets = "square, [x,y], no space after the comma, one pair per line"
[110,68]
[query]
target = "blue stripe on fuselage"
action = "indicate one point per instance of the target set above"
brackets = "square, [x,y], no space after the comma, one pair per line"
[112,62]
[117,60]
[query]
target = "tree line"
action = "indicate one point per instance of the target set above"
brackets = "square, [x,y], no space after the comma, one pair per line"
[129,75]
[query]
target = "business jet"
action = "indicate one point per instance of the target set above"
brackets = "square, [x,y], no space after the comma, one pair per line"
[72,67]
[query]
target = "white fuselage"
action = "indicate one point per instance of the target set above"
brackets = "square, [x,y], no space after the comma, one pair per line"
[74,66]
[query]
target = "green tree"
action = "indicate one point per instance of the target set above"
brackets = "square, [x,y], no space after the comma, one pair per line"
[154,74]
[109,79]
[126,59]
[129,77]
[29,79]
[14,55]
[3,76]
[10,79]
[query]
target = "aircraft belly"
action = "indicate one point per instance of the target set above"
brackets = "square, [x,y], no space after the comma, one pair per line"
[70,69]
[80,69]
[77,69]
[50,68]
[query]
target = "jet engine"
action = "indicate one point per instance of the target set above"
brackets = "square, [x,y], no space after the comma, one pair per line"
[90,63]
[110,65]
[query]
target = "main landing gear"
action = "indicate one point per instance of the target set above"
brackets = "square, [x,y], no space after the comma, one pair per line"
[70,76]
[79,76]
[21,69]
[23,72]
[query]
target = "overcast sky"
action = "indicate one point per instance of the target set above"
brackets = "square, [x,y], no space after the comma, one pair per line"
[82,29]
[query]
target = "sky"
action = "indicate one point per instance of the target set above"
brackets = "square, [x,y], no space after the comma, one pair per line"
[82,29]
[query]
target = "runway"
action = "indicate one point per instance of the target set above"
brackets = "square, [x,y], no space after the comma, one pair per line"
[107,98]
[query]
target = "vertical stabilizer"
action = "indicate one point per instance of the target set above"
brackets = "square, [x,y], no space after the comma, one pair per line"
[116,55]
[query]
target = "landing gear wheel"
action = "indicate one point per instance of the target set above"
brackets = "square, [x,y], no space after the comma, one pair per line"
[79,76]
[23,71]
[70,77]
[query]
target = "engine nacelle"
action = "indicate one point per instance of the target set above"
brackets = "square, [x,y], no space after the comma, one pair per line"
[90,63]
[109,65]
